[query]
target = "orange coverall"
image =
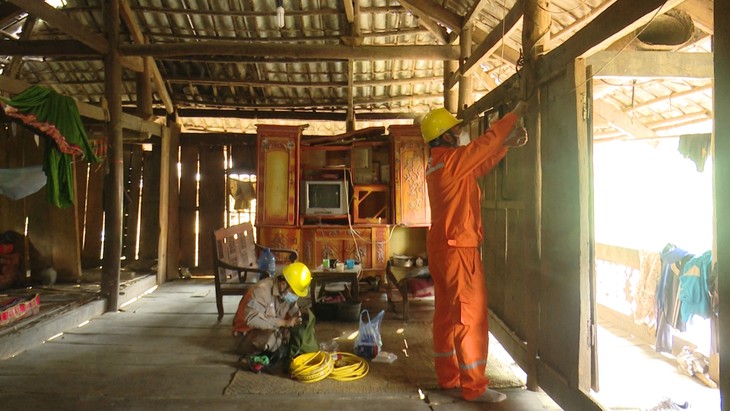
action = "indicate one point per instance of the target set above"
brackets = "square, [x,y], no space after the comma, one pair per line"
[460,323]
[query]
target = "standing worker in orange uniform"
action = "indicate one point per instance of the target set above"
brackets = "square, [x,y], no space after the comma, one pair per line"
[460,324]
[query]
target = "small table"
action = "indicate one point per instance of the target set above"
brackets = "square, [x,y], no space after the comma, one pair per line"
[320,275]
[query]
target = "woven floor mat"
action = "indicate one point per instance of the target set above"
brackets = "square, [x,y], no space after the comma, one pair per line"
[412,370]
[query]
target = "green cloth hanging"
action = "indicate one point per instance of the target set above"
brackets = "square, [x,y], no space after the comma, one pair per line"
[56,117]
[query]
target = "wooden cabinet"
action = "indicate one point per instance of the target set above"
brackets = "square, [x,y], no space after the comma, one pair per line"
[367,245]
[281,237]
[410,159]
[385,179]
[278,169]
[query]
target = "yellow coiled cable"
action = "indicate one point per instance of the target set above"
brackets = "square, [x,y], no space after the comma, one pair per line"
[349,367]
[316,366]
[312,367]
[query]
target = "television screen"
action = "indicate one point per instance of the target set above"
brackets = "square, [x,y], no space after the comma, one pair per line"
[324,195]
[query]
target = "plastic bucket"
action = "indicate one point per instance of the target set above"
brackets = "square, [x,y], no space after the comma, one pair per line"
[349,310]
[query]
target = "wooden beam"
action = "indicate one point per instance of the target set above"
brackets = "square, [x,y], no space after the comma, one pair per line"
[617,20]
[428,8]
[350,121]
[8,13]
[578,24]
[302,84]
[16,63]
[48,48]
[701,12]
[474,10]
[73,28]
[330,104]
[493,39]
[436,30]
[349,10]
[655,64]
[292,115]
[129,121]
[621,121]
[232,48]
[133,25]
[504,93]
[466,92]
[674,96]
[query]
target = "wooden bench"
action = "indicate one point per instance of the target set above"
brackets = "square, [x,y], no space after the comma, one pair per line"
[235,261]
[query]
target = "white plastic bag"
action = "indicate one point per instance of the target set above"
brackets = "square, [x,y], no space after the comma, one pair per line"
[369,342]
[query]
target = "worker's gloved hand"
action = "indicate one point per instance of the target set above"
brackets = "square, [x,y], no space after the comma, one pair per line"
[517,138]
[520,109]
[292,322]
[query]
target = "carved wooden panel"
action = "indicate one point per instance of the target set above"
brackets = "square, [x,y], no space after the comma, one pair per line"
[410,157]
[278,148]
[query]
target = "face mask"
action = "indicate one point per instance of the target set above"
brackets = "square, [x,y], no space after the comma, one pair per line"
[290,297]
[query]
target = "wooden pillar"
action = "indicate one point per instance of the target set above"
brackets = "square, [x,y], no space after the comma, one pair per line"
[535,37]
[350,121]
[144,92]
[450,97]
[721,156]
[168,247]
[114,184]
[535,34]
[465,92]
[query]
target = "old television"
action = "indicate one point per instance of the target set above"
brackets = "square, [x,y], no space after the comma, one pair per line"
[322,198]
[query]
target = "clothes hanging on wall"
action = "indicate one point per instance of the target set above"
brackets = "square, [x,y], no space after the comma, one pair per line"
[57,118]
[696,147]
[668,305]
[685,289]
[694,294]
[17,183]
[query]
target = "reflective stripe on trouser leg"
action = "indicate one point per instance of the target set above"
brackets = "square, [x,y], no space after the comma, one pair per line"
[460,320]
[447,366]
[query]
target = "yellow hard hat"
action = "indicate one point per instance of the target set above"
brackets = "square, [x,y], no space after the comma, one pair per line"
[436,123]
[298,277]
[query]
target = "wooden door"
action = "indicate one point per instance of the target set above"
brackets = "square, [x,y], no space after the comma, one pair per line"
[278,150]
[410,158]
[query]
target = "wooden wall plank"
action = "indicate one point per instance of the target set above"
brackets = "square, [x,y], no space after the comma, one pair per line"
[133,176]
[94,221]
[81,174]
[150,218]
[564,232]
[721,156]
[188,204]
[213,195]
[12,216]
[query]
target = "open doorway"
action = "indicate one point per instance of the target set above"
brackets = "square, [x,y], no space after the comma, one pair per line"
[653,204]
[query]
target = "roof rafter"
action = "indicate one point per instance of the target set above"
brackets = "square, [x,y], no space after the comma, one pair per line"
[74,28]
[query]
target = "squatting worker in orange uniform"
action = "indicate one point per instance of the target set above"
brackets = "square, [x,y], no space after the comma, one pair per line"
[460,327]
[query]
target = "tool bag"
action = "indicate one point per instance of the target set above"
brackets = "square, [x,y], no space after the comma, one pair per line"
[302,338]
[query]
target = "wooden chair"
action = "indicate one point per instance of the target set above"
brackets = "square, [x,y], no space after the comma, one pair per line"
[398,282]
[235,261]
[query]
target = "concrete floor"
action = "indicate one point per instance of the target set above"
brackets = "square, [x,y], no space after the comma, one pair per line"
[166,351]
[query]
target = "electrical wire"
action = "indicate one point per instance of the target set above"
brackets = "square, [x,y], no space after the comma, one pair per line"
[583,3]
[316,366]
[312,367]
[349,367]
